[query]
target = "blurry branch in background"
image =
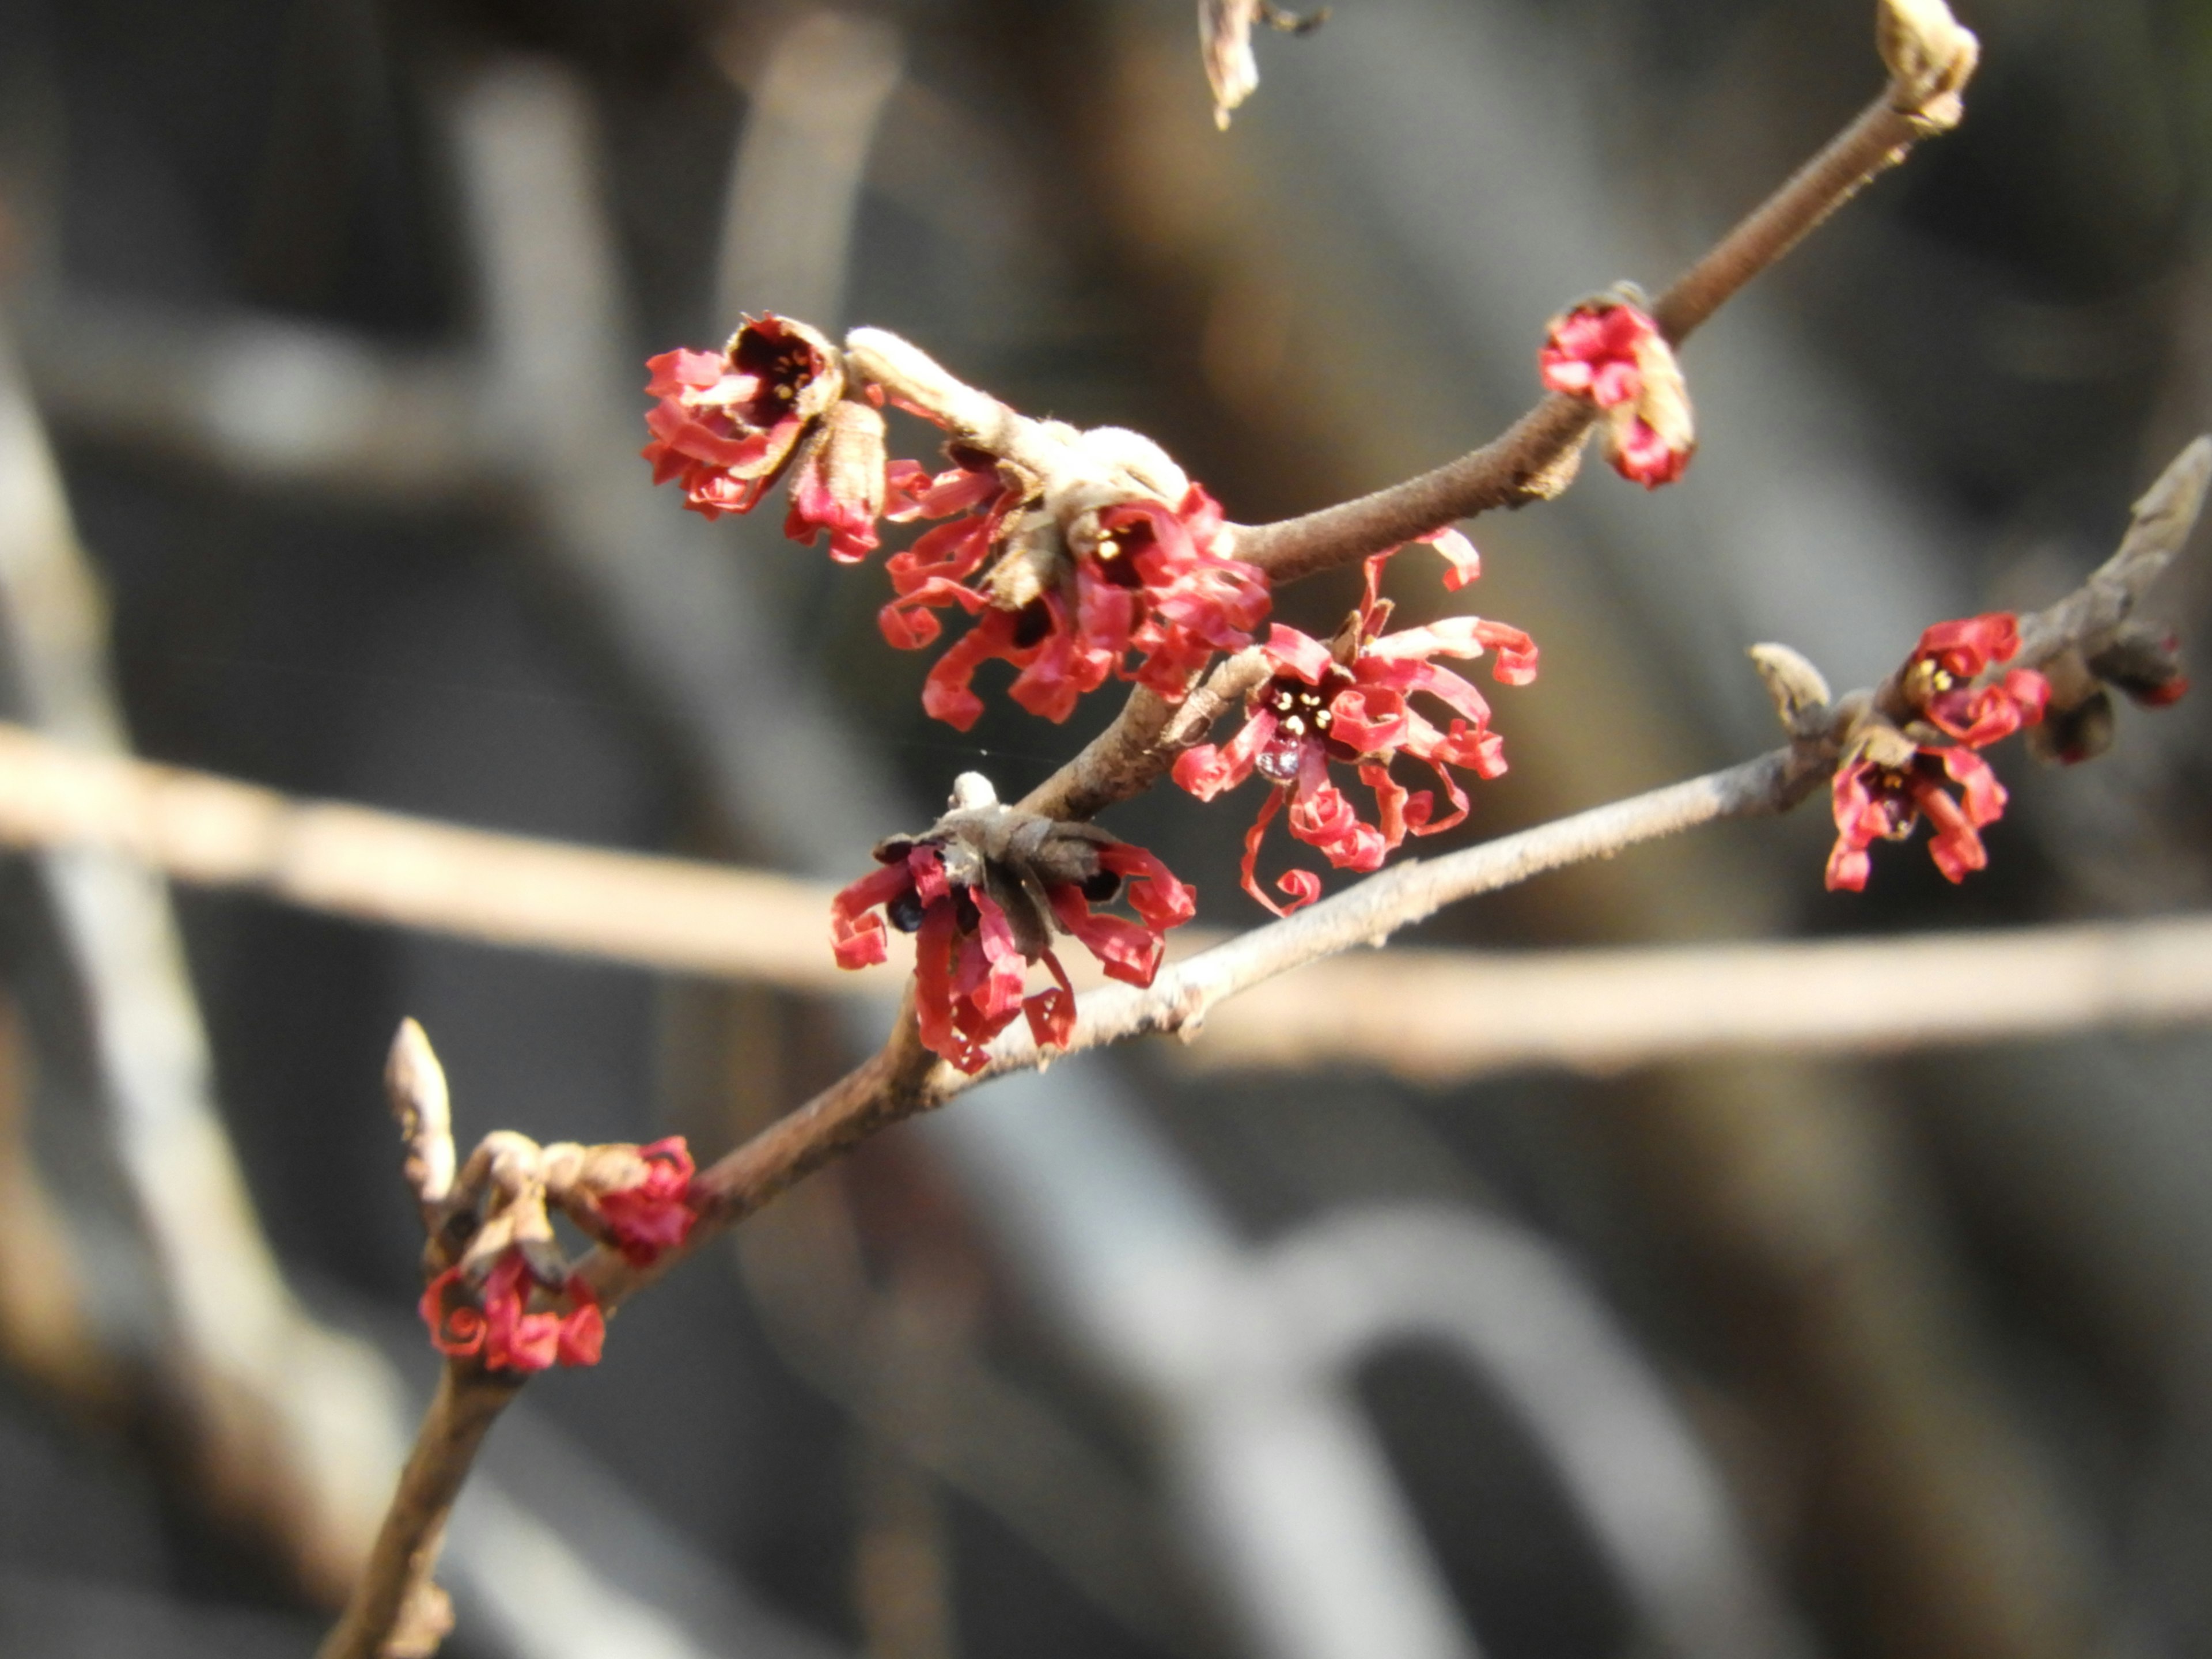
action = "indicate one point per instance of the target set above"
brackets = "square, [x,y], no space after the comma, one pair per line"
[387,868]
[288,1430]
[816,106]
[46,1334]
[1433,1015]
[1437,1017]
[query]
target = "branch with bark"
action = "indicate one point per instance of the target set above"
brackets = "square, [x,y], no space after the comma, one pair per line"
[1078,549]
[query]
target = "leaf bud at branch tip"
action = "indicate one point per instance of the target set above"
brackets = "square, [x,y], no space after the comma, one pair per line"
[1799,690]
[416,1084]
[1930,57]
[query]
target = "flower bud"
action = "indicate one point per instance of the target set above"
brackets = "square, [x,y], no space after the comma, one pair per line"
[838,484]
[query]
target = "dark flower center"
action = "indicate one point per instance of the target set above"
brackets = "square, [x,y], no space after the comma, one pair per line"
[780,365]
[1301,717]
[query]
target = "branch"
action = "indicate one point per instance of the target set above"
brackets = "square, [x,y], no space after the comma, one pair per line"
[396,1611]
[1438,1016]
[1369,911]
[1532,460]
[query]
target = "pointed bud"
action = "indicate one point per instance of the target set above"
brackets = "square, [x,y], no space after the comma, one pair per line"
[1799,690]
[838,484]
[415,1084]
[1930,57]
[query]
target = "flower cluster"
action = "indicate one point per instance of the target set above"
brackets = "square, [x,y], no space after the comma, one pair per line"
[509,1298]
[1612,354]
[1092,558]
[1348,703]
[983,892]
[1065,599]
[1953,696]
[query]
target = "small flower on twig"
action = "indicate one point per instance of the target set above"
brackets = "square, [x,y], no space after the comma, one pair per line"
[1066,587]
[727,424]
[1942,681]
[1612,354]
[984,891]
[1348,703]
[500,1289]
[1881,791]
[1917,737]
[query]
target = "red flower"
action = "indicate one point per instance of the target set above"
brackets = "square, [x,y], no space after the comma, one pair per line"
[1593,352]
[1612,354]
[978,923]
[496,1323]
[1874,802]
[727,424]
[1937,681]
[655,1215]
[1349,703]
[1150,583]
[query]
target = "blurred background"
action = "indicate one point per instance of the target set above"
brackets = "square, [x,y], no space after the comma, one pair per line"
[317,426]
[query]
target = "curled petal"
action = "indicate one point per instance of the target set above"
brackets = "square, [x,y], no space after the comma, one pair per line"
[1390,802]
[1369,720]
[1407,675]
[1295,652]
[1208,769]
[927,866]
[1001,994]
[856,933]
[1247,867]
[1459,553]
[457,1325]
[1051,1014]
[946,693]
[933,987]
[1965,646]
[514,1338]
[1153,893]
[1984,796]
[1125,951]
[1595,351]
[654,1215]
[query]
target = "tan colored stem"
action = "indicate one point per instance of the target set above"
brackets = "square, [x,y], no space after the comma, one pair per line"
[1524,465]
[396,1610]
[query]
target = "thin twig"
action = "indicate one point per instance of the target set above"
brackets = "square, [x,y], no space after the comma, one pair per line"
[1436,1017]
[396,1611]
[1371,911]
[1526,463]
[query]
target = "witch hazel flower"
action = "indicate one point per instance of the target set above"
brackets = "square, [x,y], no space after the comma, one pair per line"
[1903,754]
[728,425]
[1884,788]
[1348,704]
[501,1291]
[984,892]
[1610,353]
[1942,682]
[1118,567]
